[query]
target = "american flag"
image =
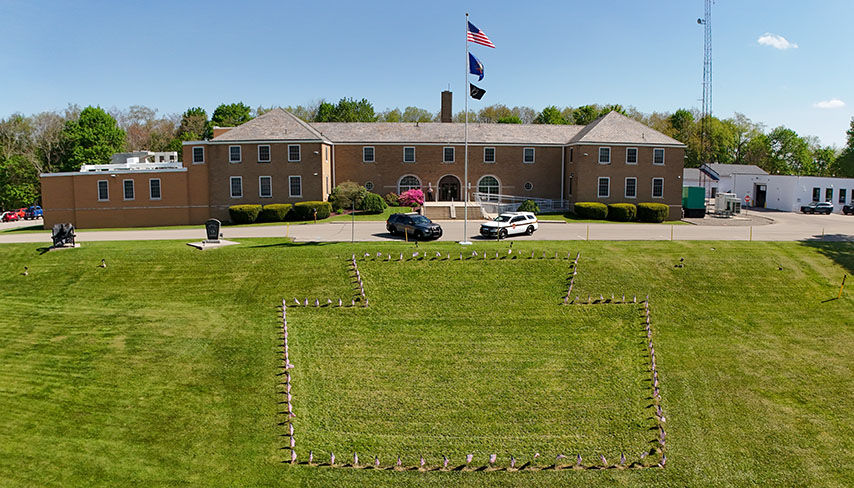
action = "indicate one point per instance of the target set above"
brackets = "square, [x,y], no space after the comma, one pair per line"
[477,36]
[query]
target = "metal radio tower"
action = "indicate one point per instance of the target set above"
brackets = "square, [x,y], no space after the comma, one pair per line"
[706,22]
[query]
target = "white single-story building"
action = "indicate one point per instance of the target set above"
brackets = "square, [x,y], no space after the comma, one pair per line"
[718,178]
[789,192]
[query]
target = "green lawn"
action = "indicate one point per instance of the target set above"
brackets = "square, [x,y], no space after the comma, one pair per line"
[163,367]
[575,220]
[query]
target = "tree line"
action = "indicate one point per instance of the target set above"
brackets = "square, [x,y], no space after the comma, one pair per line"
[57,141]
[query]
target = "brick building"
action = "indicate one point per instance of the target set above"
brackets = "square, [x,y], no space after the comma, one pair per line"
[278,158]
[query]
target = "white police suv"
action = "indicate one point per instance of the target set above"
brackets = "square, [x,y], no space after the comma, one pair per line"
[510,223]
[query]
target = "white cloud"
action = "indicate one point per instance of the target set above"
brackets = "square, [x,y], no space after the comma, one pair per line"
[834,103]
[775,41]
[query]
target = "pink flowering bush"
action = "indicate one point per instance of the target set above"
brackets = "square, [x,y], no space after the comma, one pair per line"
[411,198]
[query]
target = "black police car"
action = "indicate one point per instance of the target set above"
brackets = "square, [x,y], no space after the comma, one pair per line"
[418,226]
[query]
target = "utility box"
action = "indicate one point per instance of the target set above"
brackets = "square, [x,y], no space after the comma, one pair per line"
[694,201]
[727,204]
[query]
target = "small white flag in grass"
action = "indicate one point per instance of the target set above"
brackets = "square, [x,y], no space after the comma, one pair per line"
[559,457]
[340,303]
[512,461]
[422,461]
[316,302]
[376,461]
[604,461]
[663,461]
[444,462]
[469,458]
[310,457]
[293,443]
[399,462]
[355,459]
[492,458]
[578,459]
[332,459]
[293,456]
[305,304]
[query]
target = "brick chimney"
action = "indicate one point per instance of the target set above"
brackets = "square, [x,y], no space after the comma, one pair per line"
[446,115]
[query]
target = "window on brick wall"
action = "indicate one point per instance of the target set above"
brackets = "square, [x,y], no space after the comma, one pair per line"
[631,187]
[604,190]
[265,186]
[658,188]
[234,154]
[154,189]
[128,188]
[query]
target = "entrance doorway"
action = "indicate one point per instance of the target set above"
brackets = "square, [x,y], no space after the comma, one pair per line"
[759,191]
[449,188]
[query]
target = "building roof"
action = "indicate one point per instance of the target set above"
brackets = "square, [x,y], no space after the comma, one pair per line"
[690,174]
[616,128]
[721,170]
[445,133]
[277,124]
[280,125]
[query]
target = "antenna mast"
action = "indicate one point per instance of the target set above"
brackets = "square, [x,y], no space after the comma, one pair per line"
[706,22]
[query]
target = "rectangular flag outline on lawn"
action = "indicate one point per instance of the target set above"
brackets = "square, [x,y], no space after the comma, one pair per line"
[477,36]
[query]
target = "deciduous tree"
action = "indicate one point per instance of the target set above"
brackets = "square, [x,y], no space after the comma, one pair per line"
[93,138]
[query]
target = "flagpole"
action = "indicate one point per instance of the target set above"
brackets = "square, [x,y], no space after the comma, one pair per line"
[465,240]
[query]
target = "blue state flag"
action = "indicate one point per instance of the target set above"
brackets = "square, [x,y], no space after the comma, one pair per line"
[475,66]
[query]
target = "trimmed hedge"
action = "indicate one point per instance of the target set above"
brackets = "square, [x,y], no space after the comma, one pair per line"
[652,212]
[244,214]
[529,206]
[373,204]
[622,212]
[305,210]
[591,210]
[275,212]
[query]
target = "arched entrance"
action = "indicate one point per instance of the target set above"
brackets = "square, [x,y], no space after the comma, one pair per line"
[449,188]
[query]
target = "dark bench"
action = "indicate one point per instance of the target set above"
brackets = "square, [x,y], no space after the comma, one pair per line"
[63,234]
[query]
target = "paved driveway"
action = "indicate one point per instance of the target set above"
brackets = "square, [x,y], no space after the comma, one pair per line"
[786,227]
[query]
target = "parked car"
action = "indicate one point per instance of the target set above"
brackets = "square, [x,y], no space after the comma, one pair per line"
[418,226]
[818,207]
[848,209]
[510,223]
[34,212]
[21,212]
[9,216]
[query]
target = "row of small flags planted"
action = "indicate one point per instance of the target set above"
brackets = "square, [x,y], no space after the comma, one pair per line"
[287,383]
[656,391]
[572,278]
[438,256]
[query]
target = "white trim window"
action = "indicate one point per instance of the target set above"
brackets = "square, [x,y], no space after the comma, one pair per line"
[198,155]
[265,186]
[489,185]
[235,184]
[658,188]
[631,155]
[604,187]
[103,191]
[235,154]
[127,185]
[408,182]
[295,186]
[658,156]
[448,154]
[489,155]
[264,153]
[528,155]
[294,153]
[631,187]
[409,154]
[604,155]
[154,189]
[368,154]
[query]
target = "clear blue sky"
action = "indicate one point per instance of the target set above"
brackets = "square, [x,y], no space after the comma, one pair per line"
[171,55]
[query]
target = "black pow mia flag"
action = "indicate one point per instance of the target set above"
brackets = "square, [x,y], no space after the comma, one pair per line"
[476,93]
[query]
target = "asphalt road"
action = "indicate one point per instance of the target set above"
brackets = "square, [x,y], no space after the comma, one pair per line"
[785,227]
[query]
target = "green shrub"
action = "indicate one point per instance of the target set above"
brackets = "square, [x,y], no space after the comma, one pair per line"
[392,200]
[305,210]
[622,212]
[529,206]
[373,204]
[275,212]
[652,212]
[343,196]
[244,214]
[591,210]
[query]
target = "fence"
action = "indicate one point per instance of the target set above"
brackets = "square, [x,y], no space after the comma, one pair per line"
[495,203]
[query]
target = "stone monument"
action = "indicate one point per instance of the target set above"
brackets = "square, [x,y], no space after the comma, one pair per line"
[212,227]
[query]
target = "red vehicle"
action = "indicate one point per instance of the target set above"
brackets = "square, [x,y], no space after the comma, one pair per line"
[21,212]
[9,216]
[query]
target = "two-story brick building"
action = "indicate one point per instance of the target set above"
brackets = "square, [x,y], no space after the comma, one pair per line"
[278,158]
